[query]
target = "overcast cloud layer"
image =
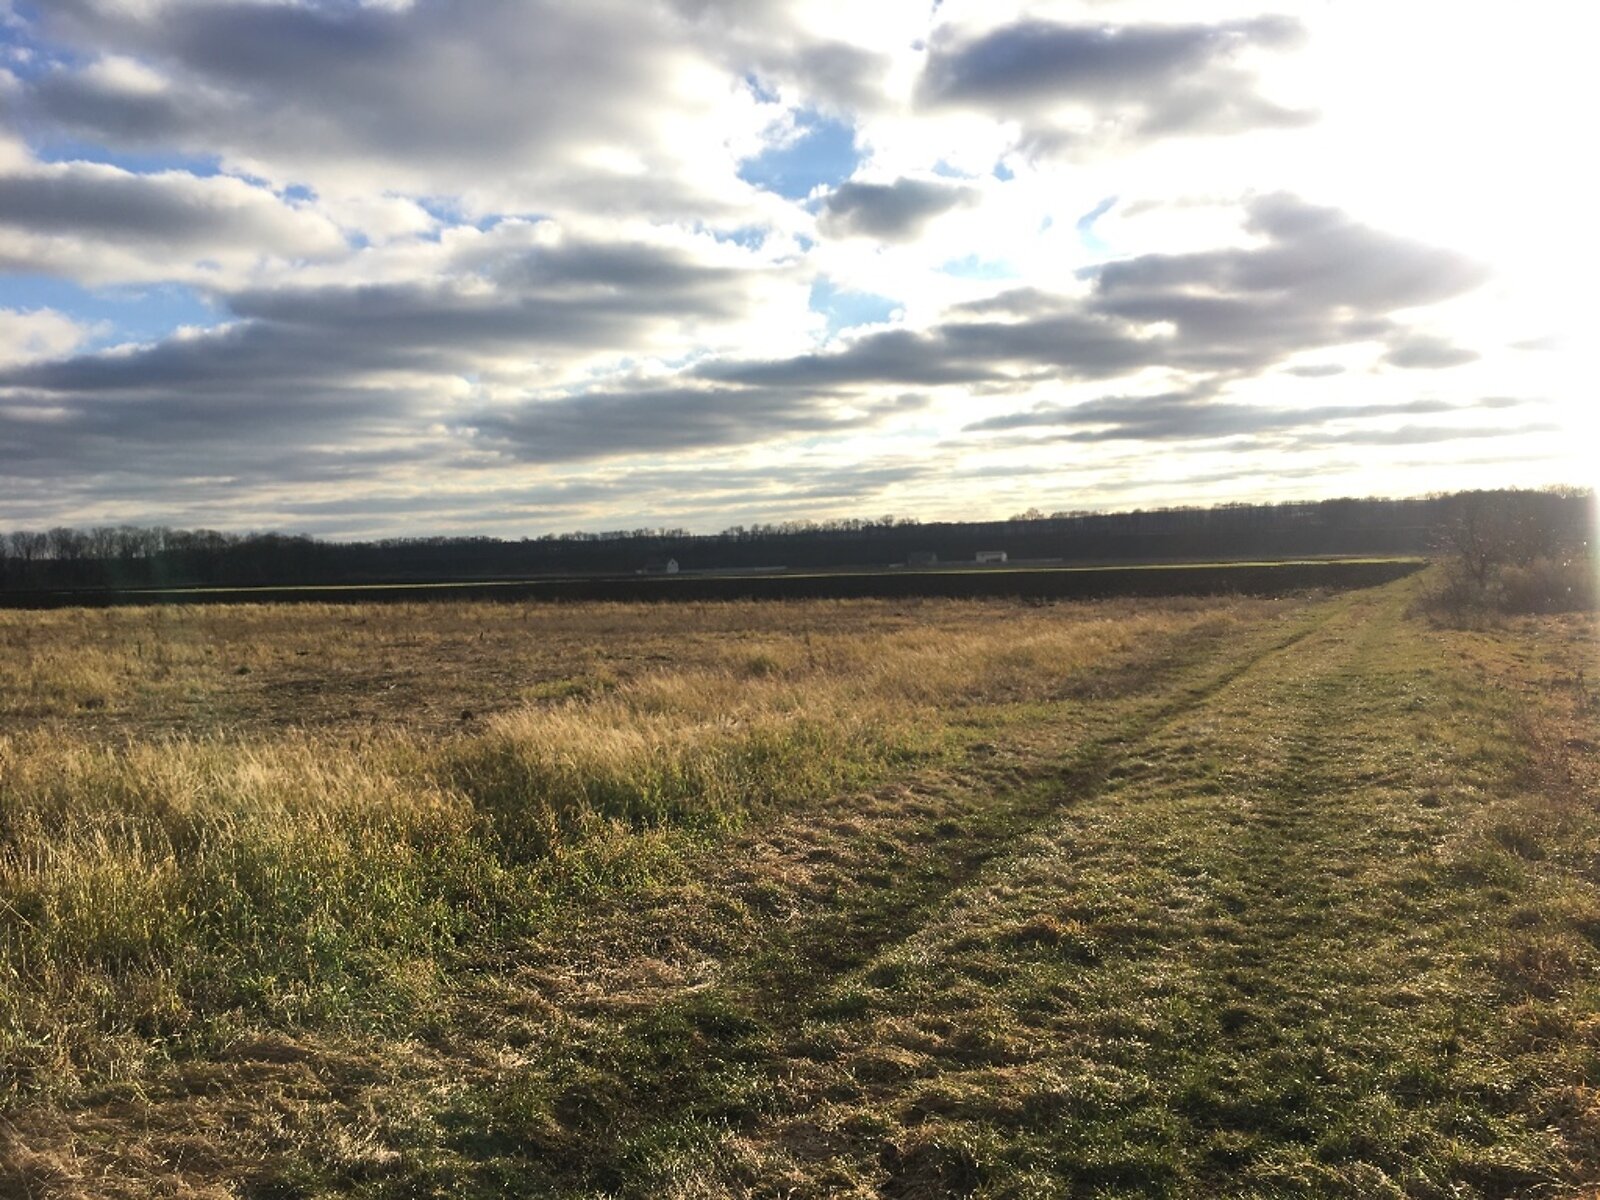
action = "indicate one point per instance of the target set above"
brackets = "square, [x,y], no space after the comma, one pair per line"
[416,266]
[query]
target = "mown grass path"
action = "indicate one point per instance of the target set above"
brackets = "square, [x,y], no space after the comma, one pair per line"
[1295,914]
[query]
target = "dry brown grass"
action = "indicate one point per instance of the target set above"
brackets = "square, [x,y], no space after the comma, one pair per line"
[818,899]
[212,818]
[433,667]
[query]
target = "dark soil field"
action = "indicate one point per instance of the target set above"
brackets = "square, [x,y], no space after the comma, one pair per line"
[895,897]
[1039,583]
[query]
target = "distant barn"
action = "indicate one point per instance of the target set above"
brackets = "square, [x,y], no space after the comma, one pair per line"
[991,556]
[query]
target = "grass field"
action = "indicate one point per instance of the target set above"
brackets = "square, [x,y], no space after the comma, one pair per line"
[900,898]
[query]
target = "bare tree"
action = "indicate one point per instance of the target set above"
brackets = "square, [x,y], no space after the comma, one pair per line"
[28,545]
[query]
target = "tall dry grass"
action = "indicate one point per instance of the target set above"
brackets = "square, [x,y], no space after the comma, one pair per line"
[163,891]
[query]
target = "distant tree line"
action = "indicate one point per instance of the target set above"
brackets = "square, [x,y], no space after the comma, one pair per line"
[125,556]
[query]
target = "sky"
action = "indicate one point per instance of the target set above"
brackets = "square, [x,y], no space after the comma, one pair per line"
[365,268]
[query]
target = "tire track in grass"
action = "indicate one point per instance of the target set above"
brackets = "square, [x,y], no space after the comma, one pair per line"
[620,1105]
[849,938]
[543,1090]
[1094,778]
[1237,970]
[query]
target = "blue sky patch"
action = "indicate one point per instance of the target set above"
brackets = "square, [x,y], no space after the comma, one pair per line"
[140,313]
[445,210]
[751,237]
[823,153]
[759,90]
[973,267]
[140,162]
[846,310]
[1085,226]
[25,56]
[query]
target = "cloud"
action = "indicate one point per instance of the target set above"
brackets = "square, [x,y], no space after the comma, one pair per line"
[1311,255]
[785,53]
[504,250]
[834,74]
[169,440]
[1314,279]
[1078,87]
[39,334]
[607,424]
[478,354]
[99,224]
[897,211]
[514,105]
[1419,435]
[1175,416]
[498,298]
[112,97]
[1428,353]
[892,357]
[707,496]
[320,379]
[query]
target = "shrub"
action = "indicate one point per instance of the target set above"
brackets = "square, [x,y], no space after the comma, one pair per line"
[1549,584]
